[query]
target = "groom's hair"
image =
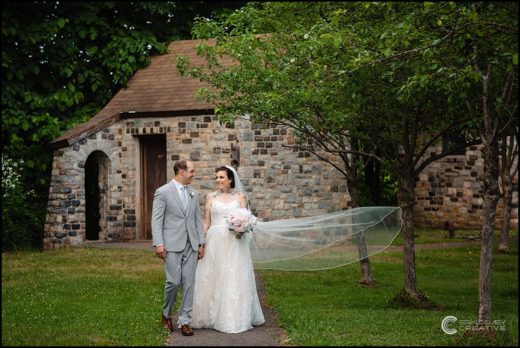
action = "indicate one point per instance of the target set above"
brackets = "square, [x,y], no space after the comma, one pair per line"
[229,173]
[180,164]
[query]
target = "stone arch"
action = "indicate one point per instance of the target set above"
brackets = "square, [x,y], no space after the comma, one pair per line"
[96,195]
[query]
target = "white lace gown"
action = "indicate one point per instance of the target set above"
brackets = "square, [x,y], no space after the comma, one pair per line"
[225,296]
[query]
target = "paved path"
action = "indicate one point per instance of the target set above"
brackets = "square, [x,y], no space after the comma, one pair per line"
[269,334]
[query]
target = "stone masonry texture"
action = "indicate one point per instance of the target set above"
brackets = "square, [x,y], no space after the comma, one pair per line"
[281,182]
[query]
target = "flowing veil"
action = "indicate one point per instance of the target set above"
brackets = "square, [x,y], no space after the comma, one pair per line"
[322,241]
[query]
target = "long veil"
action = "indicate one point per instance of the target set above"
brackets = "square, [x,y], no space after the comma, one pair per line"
[322,241]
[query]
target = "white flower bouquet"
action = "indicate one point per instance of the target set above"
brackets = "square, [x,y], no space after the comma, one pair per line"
[241,221]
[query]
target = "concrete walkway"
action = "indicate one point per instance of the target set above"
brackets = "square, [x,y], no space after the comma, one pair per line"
[268,334]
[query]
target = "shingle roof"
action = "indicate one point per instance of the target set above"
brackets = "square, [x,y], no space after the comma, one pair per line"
[157,88]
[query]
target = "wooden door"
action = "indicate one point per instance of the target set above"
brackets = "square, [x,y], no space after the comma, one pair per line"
[153,175]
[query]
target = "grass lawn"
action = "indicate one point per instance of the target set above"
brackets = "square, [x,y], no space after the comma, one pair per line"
[82,297]
[428,236]
[112,297]
[331,308]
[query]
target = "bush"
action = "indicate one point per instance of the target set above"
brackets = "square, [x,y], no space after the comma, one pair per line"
[22,214]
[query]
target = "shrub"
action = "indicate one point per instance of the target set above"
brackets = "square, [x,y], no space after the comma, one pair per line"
[21,210]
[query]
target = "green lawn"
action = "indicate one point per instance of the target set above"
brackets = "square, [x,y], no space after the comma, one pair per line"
[97,296]
[331,308]
[82,297]
[427,236]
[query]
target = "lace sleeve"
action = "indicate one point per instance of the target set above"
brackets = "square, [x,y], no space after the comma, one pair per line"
[242,199]
[207,210]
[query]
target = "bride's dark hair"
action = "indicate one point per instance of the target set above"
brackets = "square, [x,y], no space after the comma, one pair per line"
[229,173]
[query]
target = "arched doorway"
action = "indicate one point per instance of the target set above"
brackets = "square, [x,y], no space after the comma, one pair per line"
[96,185]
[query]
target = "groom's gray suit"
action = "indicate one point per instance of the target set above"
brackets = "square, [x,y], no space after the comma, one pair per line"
[180,230]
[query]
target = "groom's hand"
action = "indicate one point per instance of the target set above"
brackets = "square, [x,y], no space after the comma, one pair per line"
[160,251]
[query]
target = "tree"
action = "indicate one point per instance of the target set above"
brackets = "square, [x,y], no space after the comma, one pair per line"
[353,80]
[280,80]
[508,169]
[63,61]
[479,51]
[409,97]
[493,40]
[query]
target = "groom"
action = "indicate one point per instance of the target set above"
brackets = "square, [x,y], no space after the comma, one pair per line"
[178,238]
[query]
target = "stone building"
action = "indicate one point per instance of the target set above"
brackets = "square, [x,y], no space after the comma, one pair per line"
[451,189]
[106,170]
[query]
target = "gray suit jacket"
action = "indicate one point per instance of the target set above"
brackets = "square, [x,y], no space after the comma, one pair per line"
[172,225]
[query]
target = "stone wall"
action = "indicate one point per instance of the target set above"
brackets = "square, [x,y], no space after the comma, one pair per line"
[281,182]
[65,221]
[451,189]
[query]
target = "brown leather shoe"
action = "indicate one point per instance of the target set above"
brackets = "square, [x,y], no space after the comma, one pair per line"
[167,323]
[186,330]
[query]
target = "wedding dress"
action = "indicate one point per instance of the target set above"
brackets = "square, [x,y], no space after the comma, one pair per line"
[225,296]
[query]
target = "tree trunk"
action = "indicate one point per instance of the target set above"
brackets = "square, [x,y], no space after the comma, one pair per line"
[508,147]
[506,218]
[364,263]
[406,196]
[490,153]
[366,272]
[491,197]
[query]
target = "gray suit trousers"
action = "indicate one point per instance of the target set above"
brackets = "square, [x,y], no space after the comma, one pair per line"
[180,268]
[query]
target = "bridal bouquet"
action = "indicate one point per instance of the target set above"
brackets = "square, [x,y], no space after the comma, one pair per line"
[241,221]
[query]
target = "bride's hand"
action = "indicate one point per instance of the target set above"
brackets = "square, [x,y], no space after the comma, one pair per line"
[200,253]
[160,251]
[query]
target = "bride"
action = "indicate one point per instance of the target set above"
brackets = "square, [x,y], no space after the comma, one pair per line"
[225,295]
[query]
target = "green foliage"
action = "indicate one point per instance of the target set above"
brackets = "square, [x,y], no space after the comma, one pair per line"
[393,74]
[376,186]
[383,79]
[63,61]
[21,220]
